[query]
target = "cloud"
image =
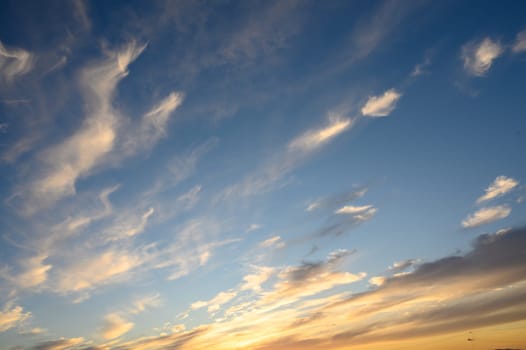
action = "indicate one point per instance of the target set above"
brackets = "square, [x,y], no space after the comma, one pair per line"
[520,42]
[153,124]
[334,201]
[350,209]
[381,106]
[216,302]
[485,216]
[403,265]
[94,270]
[144,303]
[60,344]
[12,316]
[500,186]
[479,56]
[34,272]
[420,68]
[273,242]
[80,153]
[115,326]
[254,281]
[310,278]
[14,62]
[313,139]
[346,218]
[130,225]
[253,227]
[377,280]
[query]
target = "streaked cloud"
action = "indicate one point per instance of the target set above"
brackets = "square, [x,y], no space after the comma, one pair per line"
[403,264]
[12,316]
[336,200]
[153,124]
[91,271]
[345,218]
[145,303]
[520,42]
[34,271]
[115,326]
[486,215]
[60,344]
[297,151]
[313,139]
[81,152]
[216,302]
[500,186]
[14,62]
[254,280]
[478,56]
[273,242]
[382,105]
[350,209]
[421,68]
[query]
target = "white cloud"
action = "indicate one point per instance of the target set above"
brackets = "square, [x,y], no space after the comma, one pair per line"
[92,271]
[500,186]
[486,215]
[12,317]
[520,42]
[273,242]
[255,280]
[358,213]
[377,280]
[115,326]
[253,227]
[131,225]
[35,272]
[144,303]
[479,56]
[313,139]
[216,302]
[381,106]
[14,62]
[153,124]
[80,153]
[349,209]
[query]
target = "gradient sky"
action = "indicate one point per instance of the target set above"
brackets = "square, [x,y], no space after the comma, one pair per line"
[262,175]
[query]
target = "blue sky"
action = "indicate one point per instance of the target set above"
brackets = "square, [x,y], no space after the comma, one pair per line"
[262,174]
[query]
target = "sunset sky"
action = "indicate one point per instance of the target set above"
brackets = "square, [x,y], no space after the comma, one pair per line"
[262,175]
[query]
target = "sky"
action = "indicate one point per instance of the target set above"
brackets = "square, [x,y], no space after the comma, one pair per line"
[262,175]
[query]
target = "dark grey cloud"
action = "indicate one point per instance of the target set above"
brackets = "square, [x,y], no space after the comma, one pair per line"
[306,270]
[335,201]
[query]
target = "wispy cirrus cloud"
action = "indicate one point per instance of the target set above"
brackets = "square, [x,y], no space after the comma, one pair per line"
[146,302]
[337,200]
[14,62]
[33,272]
[478,56]
[286,160]
[12,316]
[95,270]
[315,138]
[153,124]
[80,153]
[486,215]
[500,186]
[382,105]
[275,241]
[520,42]
[216,302]
[61,344]
[115,326]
